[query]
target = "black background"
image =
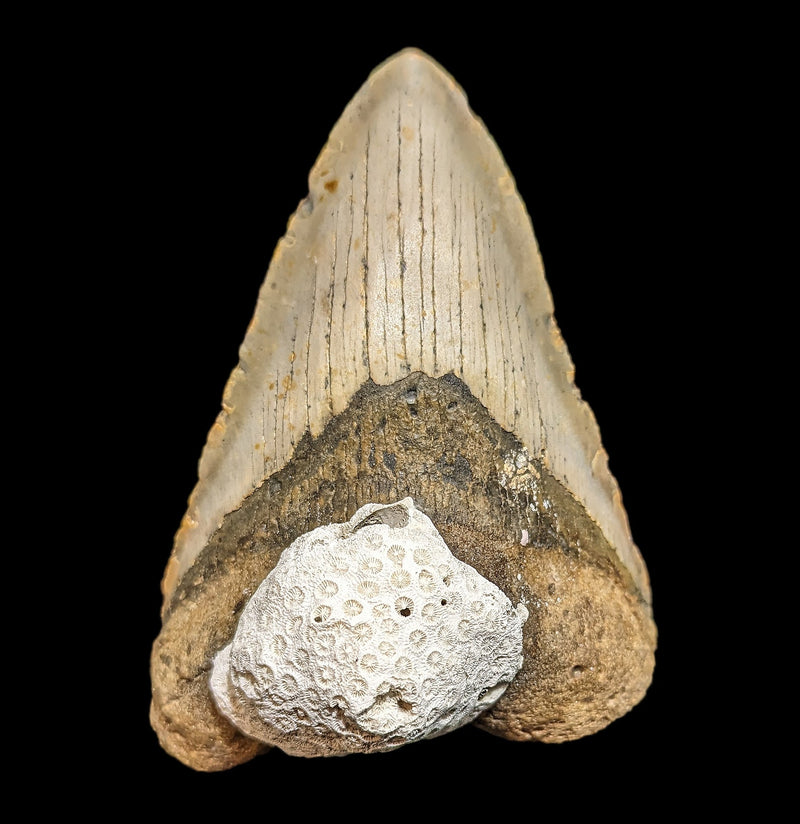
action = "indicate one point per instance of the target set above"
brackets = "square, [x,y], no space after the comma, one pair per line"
[202,133]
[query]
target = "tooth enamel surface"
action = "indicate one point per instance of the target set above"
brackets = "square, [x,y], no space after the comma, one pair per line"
[366,636]
[413,252]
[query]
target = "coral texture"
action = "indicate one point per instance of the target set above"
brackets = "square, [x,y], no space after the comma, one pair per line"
[365,636]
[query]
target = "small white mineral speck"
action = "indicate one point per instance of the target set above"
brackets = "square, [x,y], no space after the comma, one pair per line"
[365,636]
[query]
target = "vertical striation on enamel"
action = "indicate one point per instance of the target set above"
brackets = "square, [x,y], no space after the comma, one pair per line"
[365,636]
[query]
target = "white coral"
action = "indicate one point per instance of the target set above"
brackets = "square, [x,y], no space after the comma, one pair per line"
[366,636]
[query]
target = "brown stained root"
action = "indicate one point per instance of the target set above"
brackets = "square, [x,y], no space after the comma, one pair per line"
[588,643]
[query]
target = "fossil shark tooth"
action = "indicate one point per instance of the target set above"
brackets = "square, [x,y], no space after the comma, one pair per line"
[403,346]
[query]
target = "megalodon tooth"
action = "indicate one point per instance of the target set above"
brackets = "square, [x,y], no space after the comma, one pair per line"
[403,370]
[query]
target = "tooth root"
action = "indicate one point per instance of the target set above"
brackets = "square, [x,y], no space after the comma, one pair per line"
[408,292]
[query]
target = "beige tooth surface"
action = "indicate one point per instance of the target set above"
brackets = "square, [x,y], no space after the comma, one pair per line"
[404,345]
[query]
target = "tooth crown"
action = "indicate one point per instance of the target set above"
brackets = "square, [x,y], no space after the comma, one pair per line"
[412,252]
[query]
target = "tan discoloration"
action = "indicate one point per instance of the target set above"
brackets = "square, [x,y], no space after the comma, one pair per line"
[588,646]
[444,450]
[182,711]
